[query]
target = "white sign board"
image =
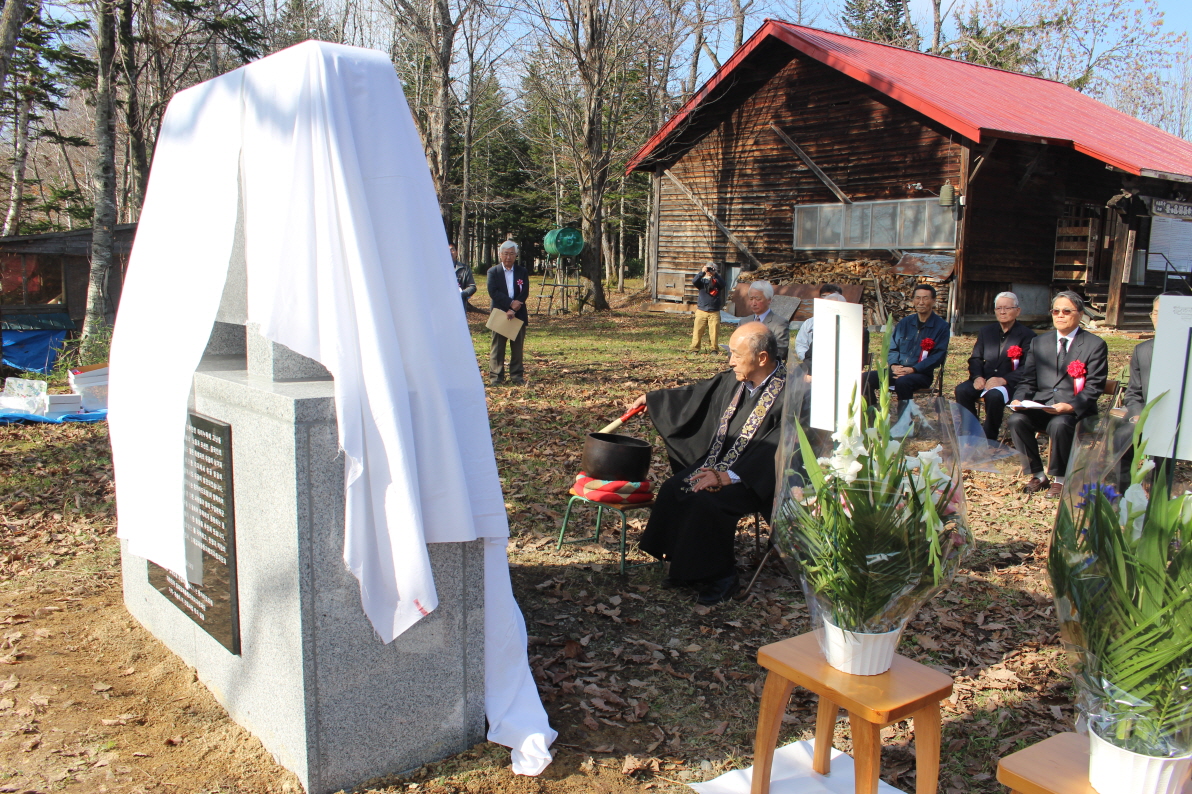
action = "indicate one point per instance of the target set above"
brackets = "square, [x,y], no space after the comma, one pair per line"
[1169,373]
[835,362]
[1172,238]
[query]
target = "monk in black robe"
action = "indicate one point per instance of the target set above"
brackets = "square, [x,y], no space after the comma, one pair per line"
[722,439]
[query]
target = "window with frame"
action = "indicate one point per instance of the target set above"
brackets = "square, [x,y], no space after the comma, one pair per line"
[907,223]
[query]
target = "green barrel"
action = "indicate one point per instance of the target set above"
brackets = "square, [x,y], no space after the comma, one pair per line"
[563,242]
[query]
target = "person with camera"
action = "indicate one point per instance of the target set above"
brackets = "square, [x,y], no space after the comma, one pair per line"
[707,312]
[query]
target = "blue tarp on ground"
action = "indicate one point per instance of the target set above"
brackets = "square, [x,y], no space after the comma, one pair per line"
[12,417]
[34,351]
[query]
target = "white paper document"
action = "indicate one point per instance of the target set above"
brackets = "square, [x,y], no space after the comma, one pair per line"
[792,774]
[1027,404]
[499,322]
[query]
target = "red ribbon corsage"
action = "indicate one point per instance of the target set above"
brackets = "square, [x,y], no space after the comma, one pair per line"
[519,283]
[927,345]
[1077,371]
[1014,353]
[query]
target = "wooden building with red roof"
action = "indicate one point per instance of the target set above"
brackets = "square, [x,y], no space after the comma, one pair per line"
[812,145]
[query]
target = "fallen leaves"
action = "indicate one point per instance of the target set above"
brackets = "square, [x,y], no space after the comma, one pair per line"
[123,719]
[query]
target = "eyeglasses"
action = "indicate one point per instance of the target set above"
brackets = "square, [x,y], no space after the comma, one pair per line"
[1065,312]
[1004,308]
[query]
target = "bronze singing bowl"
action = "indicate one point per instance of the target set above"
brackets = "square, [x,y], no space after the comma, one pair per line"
[608,456]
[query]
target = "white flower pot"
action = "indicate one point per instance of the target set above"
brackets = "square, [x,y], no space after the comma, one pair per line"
[857,653]
[1113,770]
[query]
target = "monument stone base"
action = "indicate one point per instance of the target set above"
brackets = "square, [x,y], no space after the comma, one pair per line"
[313,681]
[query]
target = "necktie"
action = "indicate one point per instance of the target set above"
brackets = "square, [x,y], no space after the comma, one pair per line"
[1063,354]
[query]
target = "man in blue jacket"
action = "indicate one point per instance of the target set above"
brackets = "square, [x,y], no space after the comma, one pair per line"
[509,289]
[919,345]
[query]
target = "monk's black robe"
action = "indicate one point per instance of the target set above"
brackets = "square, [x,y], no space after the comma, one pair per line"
[695,530]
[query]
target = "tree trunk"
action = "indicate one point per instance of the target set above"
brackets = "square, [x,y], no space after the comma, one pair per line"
[20,158]
[739,10]
[11,21]
[105,175]
[138,151]
[440,110]
[697,45]
[621,240]
[465,192]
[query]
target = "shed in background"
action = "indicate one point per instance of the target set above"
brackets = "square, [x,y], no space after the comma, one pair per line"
[810,146]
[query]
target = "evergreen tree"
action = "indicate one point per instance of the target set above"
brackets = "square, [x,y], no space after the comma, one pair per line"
[883,21]
[998,43]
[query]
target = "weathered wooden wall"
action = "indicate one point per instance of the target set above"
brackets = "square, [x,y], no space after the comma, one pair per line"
[1014,203]
[869,145]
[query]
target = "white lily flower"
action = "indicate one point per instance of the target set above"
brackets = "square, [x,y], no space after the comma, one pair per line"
[1146,465]
[1132,510]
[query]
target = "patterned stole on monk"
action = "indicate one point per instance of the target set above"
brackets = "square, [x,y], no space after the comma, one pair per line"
[748,430]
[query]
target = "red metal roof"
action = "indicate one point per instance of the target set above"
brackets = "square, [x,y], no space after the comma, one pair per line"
[978,102]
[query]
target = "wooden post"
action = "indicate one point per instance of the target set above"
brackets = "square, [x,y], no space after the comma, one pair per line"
[655,224]
[1119,271]
[732,238]
[964,190]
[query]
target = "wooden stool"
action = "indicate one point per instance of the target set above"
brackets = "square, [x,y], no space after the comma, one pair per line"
[908,689]
[1058,765]
[600,508]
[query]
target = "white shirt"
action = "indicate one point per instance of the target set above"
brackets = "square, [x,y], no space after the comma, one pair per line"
[509,281]
[1070,337]
[803,338]
[761,318]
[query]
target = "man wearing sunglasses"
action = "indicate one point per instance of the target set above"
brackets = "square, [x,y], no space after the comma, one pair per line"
[1064,374]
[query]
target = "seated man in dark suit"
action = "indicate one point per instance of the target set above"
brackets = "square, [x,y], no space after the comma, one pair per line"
[919,345]
[1135,399]
[995,367]
[1065,372]
[1140,371]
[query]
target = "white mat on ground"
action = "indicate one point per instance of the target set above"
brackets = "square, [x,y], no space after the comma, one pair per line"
[793,775]
[347,264]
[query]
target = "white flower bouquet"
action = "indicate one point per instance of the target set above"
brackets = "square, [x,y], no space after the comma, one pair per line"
[1121,570]
[873,525]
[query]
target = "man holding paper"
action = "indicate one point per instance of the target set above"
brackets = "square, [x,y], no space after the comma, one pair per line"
[1062,377]
[509,289]
[995,367]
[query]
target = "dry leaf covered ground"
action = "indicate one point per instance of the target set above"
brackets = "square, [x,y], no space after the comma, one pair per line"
[647,689]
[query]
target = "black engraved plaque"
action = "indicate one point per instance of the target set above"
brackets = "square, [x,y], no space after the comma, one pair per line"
[210,598]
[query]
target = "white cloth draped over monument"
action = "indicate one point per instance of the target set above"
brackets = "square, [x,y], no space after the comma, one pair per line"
[347,264]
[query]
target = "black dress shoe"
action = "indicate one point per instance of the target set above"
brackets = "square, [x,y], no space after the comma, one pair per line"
[718,590]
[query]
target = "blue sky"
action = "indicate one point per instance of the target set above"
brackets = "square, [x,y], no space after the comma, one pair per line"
[1177,14]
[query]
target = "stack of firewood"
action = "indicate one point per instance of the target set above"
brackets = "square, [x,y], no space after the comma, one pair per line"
[872,274]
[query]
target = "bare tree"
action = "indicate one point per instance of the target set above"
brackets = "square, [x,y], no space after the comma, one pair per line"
[10,25]
[102,255]
[1097,43]
[19,160]
[424,40]
[587,67]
